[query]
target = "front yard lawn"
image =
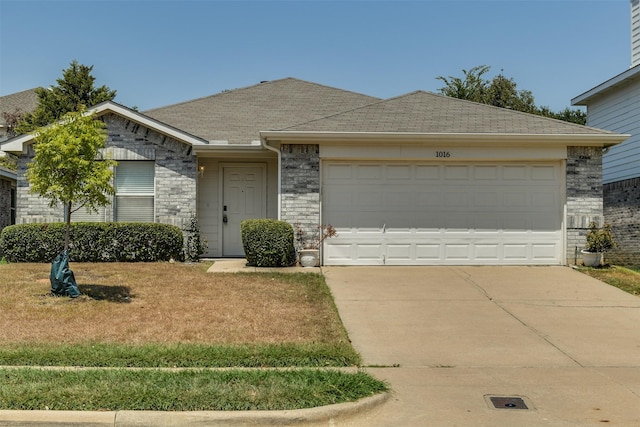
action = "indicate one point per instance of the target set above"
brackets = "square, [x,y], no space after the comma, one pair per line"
[164,315]
[627,279]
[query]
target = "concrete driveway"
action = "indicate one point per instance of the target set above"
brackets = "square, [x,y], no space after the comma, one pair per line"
[447,339]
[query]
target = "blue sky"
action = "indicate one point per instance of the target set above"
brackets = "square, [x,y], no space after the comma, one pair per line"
[156,53]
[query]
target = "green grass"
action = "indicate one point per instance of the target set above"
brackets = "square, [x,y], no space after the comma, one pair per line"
[124,371]
[626,279]
[191,390]
[179,355]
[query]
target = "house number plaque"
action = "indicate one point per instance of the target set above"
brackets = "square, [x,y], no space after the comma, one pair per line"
[443,154]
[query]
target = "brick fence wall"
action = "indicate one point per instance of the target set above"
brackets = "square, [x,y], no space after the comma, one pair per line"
[622,211]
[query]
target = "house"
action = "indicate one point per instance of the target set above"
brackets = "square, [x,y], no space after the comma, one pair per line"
[24,101]
[614,105]
[416,179]
[7,197]
[20,102]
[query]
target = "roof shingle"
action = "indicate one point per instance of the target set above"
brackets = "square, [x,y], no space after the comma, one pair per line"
[424,112]
[25,102]
[237,116]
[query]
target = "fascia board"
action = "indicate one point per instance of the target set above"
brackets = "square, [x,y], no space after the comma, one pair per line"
[622,78]
[16,145]
[602,140]
[229,148]
[5,173]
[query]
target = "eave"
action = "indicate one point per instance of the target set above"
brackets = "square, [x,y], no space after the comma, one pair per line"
[272,138]
[16,145]
[620,80]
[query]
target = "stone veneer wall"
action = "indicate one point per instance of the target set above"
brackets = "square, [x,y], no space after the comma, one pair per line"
[584,196]
[622,211]
[300,185]
[5,203]
[175,174]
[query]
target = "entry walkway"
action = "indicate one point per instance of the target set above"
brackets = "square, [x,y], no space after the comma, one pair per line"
[447,339]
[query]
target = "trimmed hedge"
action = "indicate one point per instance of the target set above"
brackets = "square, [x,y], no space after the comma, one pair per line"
[268,242]
[93,242]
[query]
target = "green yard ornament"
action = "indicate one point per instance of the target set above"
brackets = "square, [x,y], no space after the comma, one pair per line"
[69,169]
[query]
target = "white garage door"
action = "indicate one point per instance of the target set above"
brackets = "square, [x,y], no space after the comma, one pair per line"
[431,214]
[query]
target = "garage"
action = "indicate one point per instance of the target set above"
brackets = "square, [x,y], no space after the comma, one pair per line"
[438,213]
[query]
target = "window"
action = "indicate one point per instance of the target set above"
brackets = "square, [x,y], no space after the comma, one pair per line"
[135,191]
[134,199]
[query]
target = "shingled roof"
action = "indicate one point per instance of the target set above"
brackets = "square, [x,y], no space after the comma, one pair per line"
[427,113]
[237,116]
[25,102]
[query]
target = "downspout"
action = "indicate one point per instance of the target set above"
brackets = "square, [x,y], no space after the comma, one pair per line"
[264,143]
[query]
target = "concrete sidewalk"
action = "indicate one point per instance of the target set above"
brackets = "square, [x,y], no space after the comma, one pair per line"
[566,344]
[239,265]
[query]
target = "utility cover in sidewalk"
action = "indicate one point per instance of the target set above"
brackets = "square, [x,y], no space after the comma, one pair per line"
[508,402]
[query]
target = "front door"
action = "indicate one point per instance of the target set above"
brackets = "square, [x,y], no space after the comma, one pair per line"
[243,198]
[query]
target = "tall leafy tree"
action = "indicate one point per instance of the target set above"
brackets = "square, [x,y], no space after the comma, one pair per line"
[472,87]
[502,92]
[68,167]
[74,89]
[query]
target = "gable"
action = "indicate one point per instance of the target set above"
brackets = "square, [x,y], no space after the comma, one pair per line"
[18,144]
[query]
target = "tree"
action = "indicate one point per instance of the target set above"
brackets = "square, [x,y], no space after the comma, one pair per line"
[74,89]
[501,92]
[472,88]
[68,167]
[12,120]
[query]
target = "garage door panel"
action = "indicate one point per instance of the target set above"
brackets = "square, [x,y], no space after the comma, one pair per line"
[489,251]
[456,173]
[515,252]
[545,252]
[428,173]
[456,251]
[428,252]
[544,173]
[443,214]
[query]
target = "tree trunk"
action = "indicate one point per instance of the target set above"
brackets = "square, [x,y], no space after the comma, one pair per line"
[68,229]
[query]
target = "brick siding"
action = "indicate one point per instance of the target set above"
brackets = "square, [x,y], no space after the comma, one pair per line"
[300,191]
[584,196]
[622,211]
[175,174]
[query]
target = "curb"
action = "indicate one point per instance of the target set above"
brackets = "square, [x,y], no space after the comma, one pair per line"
[322,414]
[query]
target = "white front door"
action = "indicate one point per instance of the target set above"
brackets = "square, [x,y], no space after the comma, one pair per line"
[243,198]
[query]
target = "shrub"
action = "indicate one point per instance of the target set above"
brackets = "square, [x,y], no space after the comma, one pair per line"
[92,242]
[194,244]
[268,242]
[599,239]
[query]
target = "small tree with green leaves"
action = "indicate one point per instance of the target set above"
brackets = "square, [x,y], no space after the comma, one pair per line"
[68,167]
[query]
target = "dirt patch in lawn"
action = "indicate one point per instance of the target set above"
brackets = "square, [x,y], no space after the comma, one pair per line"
[166,303]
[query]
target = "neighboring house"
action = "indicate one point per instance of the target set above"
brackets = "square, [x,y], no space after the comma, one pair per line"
[7,197]
[418,179]
[21,102]
[24,101]
[615,105]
